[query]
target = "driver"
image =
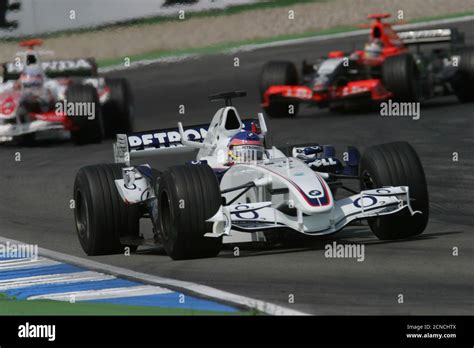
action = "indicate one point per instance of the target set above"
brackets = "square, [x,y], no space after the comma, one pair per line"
[35,97]
[32,78]
[245,147]
[374,48]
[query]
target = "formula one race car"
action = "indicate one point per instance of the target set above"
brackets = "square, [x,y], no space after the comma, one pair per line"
[239,190]
[61,95]
[385,69]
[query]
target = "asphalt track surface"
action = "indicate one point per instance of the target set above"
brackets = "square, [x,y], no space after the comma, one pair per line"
[35,195]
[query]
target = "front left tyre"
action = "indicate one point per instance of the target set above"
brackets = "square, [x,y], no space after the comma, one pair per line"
[400,75]
[101,216]
[87,128]
[396,164]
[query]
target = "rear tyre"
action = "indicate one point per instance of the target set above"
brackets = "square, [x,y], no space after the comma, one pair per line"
[276,74]
[118,111]
[396,164]
[464,84]
[101,216]
[188,195]
[86,128]
[400,76]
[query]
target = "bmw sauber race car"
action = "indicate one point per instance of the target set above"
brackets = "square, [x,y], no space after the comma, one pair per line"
[241,189]
[385,69]
[38,98]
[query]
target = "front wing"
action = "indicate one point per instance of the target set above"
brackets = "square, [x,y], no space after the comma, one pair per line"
[254,217]
[9,132]
[364,90]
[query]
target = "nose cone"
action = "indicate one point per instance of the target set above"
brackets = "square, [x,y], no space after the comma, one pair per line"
[313,193]
[307,188]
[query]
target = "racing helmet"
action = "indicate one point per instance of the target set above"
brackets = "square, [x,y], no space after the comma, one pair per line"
[32,77]
[245,147]
[374,49]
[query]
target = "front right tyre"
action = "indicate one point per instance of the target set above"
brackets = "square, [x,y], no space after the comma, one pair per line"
[101,216]
[188,195]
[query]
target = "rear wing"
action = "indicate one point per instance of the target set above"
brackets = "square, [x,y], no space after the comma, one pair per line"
[162,141]
[81,67]
[419,37]
[153,142]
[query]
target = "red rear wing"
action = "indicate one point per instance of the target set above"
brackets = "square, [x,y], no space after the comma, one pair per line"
[378,16]
[31,43]
[383,31]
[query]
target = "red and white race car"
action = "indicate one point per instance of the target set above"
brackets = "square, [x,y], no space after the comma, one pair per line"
[38,98]
[383,70]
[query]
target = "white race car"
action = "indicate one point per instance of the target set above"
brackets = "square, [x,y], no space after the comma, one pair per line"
[238,190]
[43,98]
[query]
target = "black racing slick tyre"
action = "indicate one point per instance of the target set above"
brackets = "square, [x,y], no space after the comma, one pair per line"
[464,83]
[188,195]
[396,164]
[400,76]
[87,127]
[118,110]
[101,216]
[275,74]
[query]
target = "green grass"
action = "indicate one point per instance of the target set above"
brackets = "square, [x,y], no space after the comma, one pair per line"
[214,49]
[10,306]
[5,297]
[163,19]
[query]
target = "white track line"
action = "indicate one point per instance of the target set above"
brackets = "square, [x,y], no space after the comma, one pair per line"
[53,279]
[40,262]
[203,290]
[88,295]
[316,38]
[17,261]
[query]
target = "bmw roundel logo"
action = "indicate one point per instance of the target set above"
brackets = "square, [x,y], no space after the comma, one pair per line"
[314,193]
[367,201]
